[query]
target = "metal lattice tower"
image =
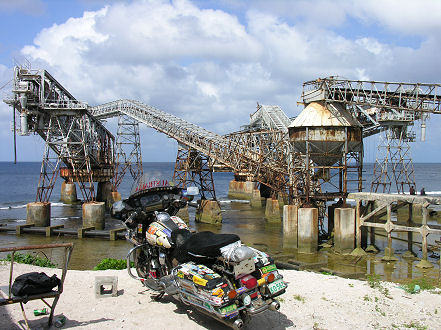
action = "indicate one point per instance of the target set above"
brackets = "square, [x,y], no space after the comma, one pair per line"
[128,150]
[393,165]
[193,167]
[72,135]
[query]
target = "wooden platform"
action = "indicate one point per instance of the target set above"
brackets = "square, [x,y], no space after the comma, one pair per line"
[89,232]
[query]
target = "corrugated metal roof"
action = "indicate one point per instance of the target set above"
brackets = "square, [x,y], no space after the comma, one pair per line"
[316,115]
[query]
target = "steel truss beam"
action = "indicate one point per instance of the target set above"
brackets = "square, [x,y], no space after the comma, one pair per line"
[217,148]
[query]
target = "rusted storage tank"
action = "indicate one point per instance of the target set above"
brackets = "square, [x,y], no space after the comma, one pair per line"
[324,132]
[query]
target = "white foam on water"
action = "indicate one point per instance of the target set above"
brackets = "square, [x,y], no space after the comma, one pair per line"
[13,207]
[229,201]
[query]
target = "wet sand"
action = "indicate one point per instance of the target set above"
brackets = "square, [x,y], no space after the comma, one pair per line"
[312,301]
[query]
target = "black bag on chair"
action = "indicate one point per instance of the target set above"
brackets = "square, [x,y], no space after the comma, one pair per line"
[34,283]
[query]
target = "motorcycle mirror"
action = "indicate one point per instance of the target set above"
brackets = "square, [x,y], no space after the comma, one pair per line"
[192,191]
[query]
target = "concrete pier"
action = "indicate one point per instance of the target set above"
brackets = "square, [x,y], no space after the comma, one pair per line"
[93,215]
[209,212]
[290,220]
[68,193]
[39,214]
[272,210]
[104,193]
[256,199]
[307,238]
[183,214]
[344,237]
[241,189]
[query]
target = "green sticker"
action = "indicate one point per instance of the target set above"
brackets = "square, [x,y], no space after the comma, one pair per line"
[228,309]
[268,269]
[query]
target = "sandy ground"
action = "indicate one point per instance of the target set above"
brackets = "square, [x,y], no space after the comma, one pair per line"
[312,301]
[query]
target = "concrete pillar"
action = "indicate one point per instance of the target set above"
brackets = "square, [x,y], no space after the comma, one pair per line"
[183,214]
[68,193]
[272,210]
[209,212]
[39,214]
[104,193]
[93,215]
[256,200]
[290,218]
[307,237]
[241,189]
[344,237]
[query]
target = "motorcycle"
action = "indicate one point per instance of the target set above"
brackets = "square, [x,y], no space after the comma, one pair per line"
[214,273]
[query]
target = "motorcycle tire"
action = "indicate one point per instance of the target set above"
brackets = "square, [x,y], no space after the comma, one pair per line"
[142,266]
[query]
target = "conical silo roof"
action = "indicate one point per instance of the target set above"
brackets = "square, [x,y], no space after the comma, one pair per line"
[316,114]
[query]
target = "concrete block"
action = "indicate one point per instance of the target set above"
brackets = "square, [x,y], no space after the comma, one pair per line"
[68,194]
[38,213]
[307,237]
[209,212]
[114,232]
[106,286]
[290,222]
[82,231]
[256,200]
[241,189]
[93,215]
[19,228]
[344,237]
[272,210]
[50,229]
[183,214]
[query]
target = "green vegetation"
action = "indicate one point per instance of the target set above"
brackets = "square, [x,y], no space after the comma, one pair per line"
[379,310]
[31,259]
[110,263]
[351,285]
[367,298]
[375,283]
[326,273]
[299,298]
[414,325]
[418,285]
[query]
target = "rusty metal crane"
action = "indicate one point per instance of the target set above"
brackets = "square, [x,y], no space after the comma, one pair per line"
[72,135]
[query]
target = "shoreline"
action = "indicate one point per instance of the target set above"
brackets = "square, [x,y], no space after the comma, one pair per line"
[312,301]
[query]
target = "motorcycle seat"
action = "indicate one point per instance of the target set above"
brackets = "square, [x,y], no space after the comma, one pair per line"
[205,244]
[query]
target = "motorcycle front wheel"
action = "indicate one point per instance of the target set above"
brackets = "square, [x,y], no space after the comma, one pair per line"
[143,266]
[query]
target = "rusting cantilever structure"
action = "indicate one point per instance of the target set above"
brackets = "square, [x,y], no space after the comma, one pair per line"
[218,148]
[11,299]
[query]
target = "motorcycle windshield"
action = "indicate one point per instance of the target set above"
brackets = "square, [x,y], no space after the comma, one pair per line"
[148,181]
[165,219]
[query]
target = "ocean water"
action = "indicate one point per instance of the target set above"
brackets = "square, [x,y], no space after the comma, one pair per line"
[18,183]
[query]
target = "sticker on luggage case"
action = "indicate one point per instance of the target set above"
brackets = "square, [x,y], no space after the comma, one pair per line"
[268,269]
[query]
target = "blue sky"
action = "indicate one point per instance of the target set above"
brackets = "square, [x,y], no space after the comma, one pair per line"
[211,61]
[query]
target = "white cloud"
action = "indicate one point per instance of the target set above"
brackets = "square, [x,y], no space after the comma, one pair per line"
[210,67]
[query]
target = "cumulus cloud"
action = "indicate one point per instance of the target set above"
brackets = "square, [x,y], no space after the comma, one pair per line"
[211,66]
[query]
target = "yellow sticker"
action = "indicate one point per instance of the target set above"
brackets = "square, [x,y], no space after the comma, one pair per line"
[218,292]
[199,281]
[180,274]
